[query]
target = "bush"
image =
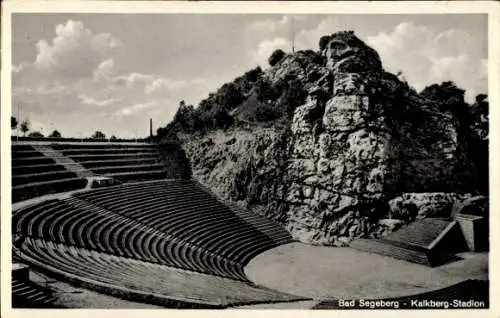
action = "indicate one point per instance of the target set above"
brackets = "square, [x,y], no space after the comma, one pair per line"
[35,134]
[276,56]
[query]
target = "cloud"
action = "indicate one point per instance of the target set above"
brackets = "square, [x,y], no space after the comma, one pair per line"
[266,48]
[130,110]
[105,70]
[93,90]
[161,84]
[86,100]
[152,84]
[79,79]
[75,52]
[133,79]
[309,38]
[271,26]
[426,56]
[19,68]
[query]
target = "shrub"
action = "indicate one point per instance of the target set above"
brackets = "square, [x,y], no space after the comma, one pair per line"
[55,134]
[35,134]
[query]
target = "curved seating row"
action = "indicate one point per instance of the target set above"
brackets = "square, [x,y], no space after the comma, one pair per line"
[174,223]
[41,177]
[183,210]
[91,164]
[77,223]
[34,174]
[107,150]
[128,168]
[36,189]
[270,228]
[42,168]
[125,162]
[30,161]
[102,270]
[100,145]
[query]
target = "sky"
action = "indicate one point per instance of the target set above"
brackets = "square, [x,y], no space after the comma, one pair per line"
[79,73]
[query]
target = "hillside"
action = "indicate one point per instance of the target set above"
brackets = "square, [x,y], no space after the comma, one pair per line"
[323,140]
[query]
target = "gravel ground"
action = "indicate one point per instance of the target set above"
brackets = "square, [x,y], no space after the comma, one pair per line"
[322,272]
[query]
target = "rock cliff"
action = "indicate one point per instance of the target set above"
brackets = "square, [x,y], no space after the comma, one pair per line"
[361,139]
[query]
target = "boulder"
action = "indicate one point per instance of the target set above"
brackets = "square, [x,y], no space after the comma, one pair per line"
[420,205]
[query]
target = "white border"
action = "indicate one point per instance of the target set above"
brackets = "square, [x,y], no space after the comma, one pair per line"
[382,7]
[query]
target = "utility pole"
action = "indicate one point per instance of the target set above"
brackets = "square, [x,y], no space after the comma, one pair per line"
[150,127]
[293,33]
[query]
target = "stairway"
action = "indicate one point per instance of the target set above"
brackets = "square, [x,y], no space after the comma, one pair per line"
[430,242]
[68,163]
[27,294]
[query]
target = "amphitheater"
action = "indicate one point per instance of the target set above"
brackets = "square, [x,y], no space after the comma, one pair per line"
[111,219]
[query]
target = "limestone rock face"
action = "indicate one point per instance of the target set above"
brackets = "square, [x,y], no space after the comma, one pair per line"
[361,139]
[242,166]
[347,144]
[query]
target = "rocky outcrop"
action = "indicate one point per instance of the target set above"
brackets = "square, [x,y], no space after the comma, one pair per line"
[476,205]
[410,206]
[361,140]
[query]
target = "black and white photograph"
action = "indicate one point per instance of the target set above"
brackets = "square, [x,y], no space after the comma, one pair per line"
[275,159]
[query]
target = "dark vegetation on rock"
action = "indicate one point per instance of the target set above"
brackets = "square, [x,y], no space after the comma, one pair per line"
[333,146]
[276,56]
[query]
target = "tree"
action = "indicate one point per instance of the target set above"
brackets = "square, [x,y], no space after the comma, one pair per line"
[113,137]
[25,127]
[98,135]
[13,122]
[323,42]
[253,74]
[55,134]
[478,143]
[446,93]
[276,56]
[184,117]
[480,117]
[449,97]
[481,98]
[35,134]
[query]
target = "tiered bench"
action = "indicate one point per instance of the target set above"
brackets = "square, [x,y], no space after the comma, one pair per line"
[168,239]
[430,241]
[124,162]
[34,174]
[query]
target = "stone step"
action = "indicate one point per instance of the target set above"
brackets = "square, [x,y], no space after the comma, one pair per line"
[384,248]
[67,162]
[424,242]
